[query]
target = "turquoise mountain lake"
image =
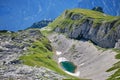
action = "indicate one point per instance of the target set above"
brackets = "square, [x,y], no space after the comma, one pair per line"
[68,66]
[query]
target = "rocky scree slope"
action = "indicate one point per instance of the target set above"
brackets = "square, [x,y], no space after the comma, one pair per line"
[100,28]
[24,55]
[92,62]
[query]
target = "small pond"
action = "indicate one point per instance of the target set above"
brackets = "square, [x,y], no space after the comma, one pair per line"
[68,66]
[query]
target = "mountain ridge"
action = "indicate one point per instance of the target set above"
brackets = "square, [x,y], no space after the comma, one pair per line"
[91,25]
[89,39]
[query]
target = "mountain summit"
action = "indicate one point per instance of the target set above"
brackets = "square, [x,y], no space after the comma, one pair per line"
[100,9]
[100,28]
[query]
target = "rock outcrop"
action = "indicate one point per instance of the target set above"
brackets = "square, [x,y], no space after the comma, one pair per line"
[103,30]
[16,44]
[41,24]
[13,44]
[117,45]
[100,9]
[24,72]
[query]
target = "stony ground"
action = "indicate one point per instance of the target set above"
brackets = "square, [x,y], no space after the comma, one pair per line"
[92,61]
[14,45]
[23,72]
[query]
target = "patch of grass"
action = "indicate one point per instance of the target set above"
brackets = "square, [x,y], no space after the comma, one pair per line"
[93,14]
[118,55]
[100,48]
[46,32]
[118,22]
[39,55]
[65,20]
[116,75]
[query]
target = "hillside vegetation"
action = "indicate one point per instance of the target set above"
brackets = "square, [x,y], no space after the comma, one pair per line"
[40,54]
[101,29]
[78,16]
[28,55]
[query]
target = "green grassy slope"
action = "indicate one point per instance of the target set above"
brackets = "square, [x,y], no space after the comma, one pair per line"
[39,54]
[98,18]
[38,51]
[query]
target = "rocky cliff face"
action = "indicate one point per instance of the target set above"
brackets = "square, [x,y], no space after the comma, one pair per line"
[101,29]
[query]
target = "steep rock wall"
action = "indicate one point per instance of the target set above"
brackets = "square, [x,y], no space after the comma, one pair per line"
[104,33]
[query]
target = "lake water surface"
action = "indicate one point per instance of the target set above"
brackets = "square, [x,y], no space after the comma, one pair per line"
[68,66]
